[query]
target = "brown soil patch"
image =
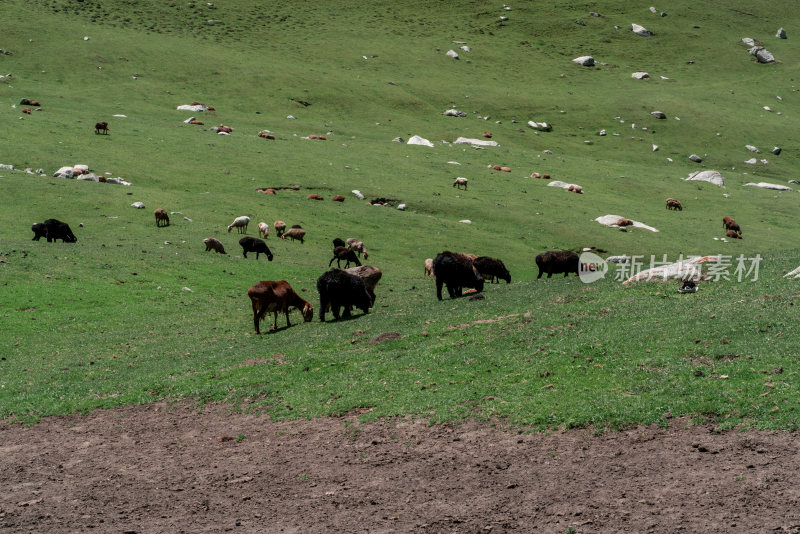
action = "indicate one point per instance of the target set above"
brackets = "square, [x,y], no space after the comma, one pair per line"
[158,468]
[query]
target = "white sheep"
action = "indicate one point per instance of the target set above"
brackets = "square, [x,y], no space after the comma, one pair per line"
[294,234]
[459,182]
[279,227]
[263,229]
[429,267]
[357,246]
[240,223]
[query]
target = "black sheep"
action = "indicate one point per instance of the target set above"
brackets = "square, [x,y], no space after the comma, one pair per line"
[492,267]
[340,289]
[343,253]
[557,261]
[254,244]
[55,229]
[39,231]
[456,271]
[338,242]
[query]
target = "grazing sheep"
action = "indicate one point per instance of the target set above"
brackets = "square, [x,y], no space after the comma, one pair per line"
[254,244]
[338,289]
[429,267]
[729,224]
[357,246]
[101,126]
[263,229]
[459,182]
[270,296]
[492,267]
[557,261]
[338,198]
[162,218]
[456,271]
[370,275]
[279,227]
[212,243]
[337,242]
[734,234]
[343,253]
[314,196]
[240,223]
[39,231]
[294,234]
[673,204]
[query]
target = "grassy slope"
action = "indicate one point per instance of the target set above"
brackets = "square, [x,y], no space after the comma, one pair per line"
[106,321]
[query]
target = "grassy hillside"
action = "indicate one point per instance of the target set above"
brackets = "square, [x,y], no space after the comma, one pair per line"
[107,320]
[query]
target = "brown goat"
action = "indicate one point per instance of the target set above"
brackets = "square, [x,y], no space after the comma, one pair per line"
[673,204]
[729,224]
[271,296]
[162,219]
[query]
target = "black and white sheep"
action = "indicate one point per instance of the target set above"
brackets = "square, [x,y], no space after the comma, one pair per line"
[254,244]
[339,289]
[492,267]
[343,253]
[456,271]
[557,261]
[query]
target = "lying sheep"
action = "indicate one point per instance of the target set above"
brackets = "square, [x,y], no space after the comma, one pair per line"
[493,268]
[338,289]
[357,246]
[214,244]
[557,261]
[254,244]
[343,253]
[622,221]
[294,234]
[370,275]
[733,234]
[456,271]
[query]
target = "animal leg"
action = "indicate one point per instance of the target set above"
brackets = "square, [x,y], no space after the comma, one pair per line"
[438,289]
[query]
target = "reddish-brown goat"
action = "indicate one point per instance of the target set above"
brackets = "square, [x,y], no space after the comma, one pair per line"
[271,296]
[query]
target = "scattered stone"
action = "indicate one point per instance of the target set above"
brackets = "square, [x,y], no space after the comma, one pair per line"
[640,76]
[713,177]
[401,207]
[586,61]
[452,53]
[655,148]
[601,133]
[658,114]
[781,33]
[748,41]
[541,126]
[641,30]
[762,54]
[776,150]
[696,158]
[417,140]
[138,205]
[765,185]
[398,140]
[454,113]
[751,148]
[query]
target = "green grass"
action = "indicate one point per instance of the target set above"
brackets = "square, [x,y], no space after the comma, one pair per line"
[106,321]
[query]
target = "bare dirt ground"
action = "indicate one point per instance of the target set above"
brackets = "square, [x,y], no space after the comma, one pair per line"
[161,468]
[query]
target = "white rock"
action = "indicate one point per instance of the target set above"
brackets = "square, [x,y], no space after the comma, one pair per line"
[138,205]
[541,126]
[748,41]
[64,172]
[641,30]
[187,289]
[781,33]
[655,148]
[358,194]
[751,161]
[465,48]
[475,142]
[611,221]
[196,107]
[465,221]
[765,185]
[751,148]
[417,140]
[454,113]
[640,75]
[452,53]
[586,61]
[713,177]
[401,207]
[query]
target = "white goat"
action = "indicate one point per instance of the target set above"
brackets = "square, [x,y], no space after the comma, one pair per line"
[240,223]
